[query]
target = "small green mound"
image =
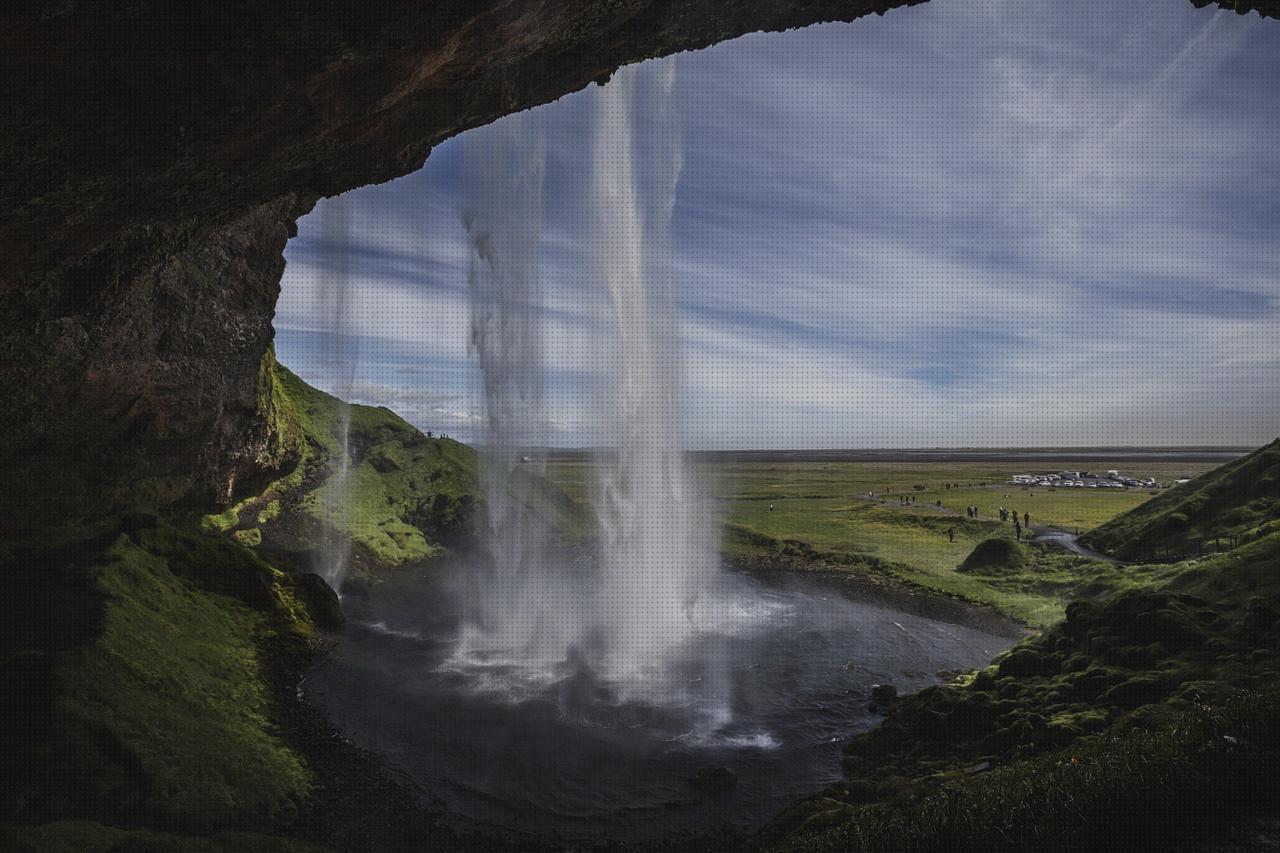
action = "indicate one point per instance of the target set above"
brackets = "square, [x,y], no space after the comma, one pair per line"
[995,556]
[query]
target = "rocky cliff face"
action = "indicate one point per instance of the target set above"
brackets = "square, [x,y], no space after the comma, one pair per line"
[146,387]
[154,163]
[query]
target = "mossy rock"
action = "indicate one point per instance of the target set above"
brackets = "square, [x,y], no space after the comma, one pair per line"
[1260,618]
[250,537]
[1027,663]
[1134,657]
[1174,628]
[322,602]
[1096,680]
[1135,691]
[269,512]
[1067,726]
[995,556]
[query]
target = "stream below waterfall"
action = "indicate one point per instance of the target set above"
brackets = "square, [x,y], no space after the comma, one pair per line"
[567,759]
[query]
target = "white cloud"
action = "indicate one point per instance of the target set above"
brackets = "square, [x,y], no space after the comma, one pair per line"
[965,223]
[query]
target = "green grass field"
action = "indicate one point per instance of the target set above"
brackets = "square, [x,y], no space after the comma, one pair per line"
[825,506]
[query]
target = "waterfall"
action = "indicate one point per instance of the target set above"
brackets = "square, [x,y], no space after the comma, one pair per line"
[506,613]
[627,621]
[334,555]
[659,557]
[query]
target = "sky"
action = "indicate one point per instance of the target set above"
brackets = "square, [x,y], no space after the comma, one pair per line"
[972,223]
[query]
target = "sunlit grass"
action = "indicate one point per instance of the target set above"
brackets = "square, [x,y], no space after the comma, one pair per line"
[851,513]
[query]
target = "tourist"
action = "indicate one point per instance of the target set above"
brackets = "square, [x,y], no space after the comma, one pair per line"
[1026,520]
[951,533]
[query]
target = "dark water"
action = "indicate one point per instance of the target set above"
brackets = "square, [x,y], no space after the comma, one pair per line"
[571,761]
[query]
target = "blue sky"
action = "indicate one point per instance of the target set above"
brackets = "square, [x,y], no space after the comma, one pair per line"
[966,223]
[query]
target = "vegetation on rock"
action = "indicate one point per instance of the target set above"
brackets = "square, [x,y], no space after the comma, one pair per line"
[161,711]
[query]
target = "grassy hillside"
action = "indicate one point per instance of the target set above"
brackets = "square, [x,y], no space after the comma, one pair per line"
[1237,502]
[1145,716]
[404,497]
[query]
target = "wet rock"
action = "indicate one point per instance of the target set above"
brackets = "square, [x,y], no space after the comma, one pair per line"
[322,602]
[714,779]
[883,698]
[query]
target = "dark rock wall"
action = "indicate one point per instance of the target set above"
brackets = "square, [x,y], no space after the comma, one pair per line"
[149,391]
[155,157]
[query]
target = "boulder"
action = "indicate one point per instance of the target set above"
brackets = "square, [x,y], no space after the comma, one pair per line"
[1025,663]
[883,698]
[714,779]
[1260,616]
[322,602]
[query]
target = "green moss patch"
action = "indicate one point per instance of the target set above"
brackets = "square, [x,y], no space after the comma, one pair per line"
[165,713]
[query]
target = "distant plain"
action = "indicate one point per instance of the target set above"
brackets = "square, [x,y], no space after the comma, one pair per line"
[829,513]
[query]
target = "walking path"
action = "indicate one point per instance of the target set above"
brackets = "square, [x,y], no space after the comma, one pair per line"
[1068,541]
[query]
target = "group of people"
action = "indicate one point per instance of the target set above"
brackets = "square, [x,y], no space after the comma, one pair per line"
[1018,523]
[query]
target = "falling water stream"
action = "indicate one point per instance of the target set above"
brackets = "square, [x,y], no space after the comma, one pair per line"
[629,619]
[574,692]
[333,556]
